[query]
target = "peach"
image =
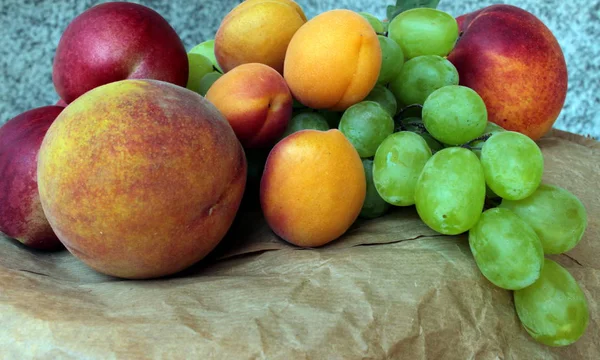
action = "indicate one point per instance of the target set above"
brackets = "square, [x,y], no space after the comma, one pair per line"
[333,61]
[256,101]
[21,213]
[514,62]
[140,178]
[257,31]
[313,187]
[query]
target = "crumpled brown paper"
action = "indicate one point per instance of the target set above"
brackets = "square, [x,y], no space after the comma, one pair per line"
[390,288]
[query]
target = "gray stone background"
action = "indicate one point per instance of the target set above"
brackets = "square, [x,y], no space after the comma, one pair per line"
[30,31]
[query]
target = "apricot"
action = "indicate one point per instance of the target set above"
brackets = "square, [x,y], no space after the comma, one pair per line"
[140,178]
[333,61]
[313,187]
[256,101]
[257,31]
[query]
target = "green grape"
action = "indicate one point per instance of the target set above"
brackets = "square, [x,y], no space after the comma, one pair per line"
[513,165]
[416,125]
[366,124]
[199,65]
[476,145]
[374,21]
[557,216]
[384,97]
[392,59]
[490,129]
[454,114]
[507,250]
[207,48]
[333,117]
[424,31]
[420,76]
[553,310]
[493,128]
[450,191]
[207,81]
[434,145]
[374,205]
[398,162]
[306,120]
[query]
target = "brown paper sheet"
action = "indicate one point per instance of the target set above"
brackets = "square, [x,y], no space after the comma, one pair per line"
[390,288]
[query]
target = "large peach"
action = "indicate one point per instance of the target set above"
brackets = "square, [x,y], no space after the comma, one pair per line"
[115,41]
[21,213]
[257,31]
[333,61]
[140,178]
[256,101]
[515,64]
[313,187]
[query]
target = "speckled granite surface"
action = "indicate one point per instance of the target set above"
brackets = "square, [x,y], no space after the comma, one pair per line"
[30,31]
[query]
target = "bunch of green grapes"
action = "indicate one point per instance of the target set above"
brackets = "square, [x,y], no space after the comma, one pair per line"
[426,141]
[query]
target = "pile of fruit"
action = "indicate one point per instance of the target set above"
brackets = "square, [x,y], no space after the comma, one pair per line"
[141,168]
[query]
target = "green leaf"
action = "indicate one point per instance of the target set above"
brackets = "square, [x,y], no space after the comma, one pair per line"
[403,5]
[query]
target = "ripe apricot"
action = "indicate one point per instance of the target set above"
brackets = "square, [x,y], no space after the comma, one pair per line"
[333,61]
[313,187]
[256,101]
[257,31]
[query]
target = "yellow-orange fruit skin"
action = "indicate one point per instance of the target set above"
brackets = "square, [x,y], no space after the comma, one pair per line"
[514,62]
[257,31]
[333,61]
[140,178]
[256,101]
[313,187]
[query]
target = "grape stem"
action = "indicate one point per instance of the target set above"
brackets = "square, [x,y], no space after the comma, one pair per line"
[470,147]
[399,115]
[483,137]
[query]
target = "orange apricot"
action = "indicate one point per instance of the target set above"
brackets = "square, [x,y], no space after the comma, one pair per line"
[313,187]
[256,101]
[257,31]
[333,61]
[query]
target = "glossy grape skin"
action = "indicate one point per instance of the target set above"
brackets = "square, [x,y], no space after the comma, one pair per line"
[398,162]
[366,124]
[374,205]
[513,165]
[207,81]
[306,120]
[476,145]
[207,49]
[557,216]
[454,114]
[450,192]
[490,129]
[420,76]
[376,24]
[392,59]
[416,125]
[424,31]
[199,65]
[554,310]
[507,250]
[384,97]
